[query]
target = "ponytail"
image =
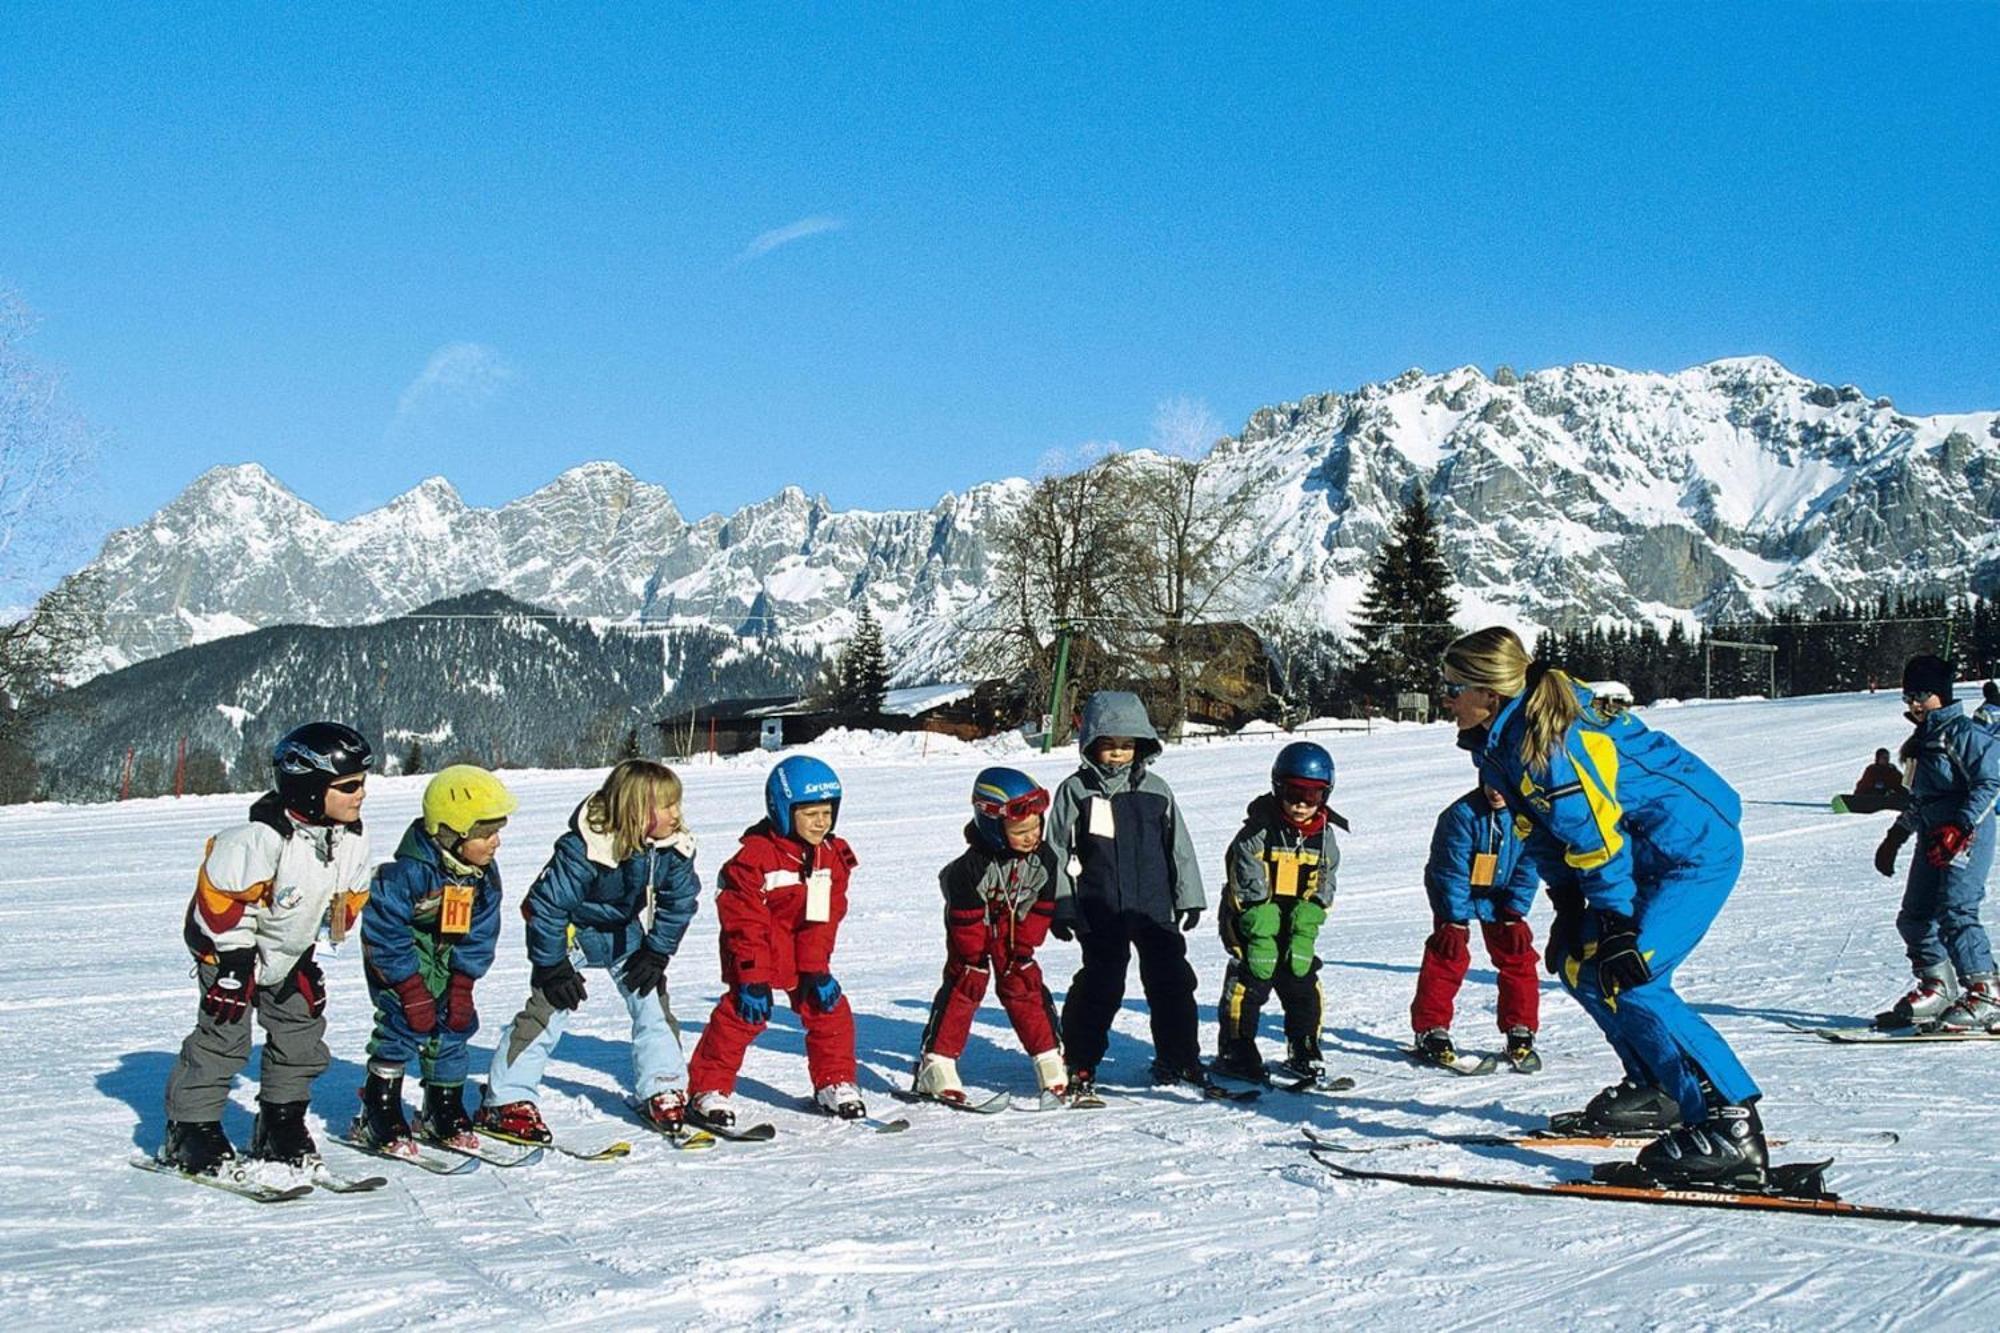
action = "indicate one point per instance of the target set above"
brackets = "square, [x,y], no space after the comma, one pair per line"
[1495,659]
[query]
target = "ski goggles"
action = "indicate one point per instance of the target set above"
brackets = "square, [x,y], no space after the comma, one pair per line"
[1299,791]
[1014,807]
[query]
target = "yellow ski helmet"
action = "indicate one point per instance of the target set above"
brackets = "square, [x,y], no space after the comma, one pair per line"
[462,797]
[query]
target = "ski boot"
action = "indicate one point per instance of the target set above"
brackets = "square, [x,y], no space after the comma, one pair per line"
[280,1135]
[1434,1047]
[1083,1094]
[1521,1051]
[842,1100]
[1240,1059]
[1977,1009]
[197,1147]
[444,1120]
[1167,1074]
[1936,988]
[666,1110]
[1726,1151]
[1304,1061]
[1050,1074]
[1622,1109]
[381,1125]
[514,1122]
[713,1108]
[937,1076]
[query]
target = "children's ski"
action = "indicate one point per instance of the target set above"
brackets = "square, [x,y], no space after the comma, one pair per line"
[1052,1101]
[1284,1081]
[1806,1202]
[436,1161]
[993,1105]
[327,1179]
[233,1182]
[502,1153]
[1529,1062]
[609,1152]
[1458,1063]
[686,1137]
[1878,1037]
[1544,1138]
[763,1132]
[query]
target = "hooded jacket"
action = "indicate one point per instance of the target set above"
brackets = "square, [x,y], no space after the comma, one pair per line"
[584,885]
[1469,828]
[1956,777]
[1120,843]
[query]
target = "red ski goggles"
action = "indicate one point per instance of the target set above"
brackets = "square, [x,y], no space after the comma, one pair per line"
[1299,791]
[995,806]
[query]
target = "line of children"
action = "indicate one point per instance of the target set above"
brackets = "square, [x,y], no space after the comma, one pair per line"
[430,932]
[1280,878]
[617,893]
[999,902]
[1476,870]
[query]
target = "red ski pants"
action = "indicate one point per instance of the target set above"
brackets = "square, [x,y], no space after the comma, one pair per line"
[1022,995]
[727,1038]
[1511,945]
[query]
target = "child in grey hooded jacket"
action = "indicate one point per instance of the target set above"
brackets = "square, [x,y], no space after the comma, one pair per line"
[1126,880]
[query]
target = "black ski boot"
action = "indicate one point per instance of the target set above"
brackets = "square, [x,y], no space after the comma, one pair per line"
[1435,1047]
[1726,1151]
[1167,1074]
[1304,1060]
[1240,1059]
[281,1135]
[444,1119]
[1626,1108]
[1521,1051]
[198,1147]
[381,1124]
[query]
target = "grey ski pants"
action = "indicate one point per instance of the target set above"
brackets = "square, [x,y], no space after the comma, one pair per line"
[215,1052]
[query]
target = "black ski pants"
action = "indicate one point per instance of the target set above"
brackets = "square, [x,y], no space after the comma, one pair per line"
[1108,941]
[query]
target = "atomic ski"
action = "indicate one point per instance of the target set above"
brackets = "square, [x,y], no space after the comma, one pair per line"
[993,1105]
[234,1183]
[1804,1175]
[439,1162]
[1546,1138]
[1878,1037]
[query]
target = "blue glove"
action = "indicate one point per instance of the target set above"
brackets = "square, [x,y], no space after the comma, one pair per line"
[753,1002]
[820,990]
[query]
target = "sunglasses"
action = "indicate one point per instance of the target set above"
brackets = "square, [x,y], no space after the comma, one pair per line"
[1018,807]
[1451,689]
[349,787]
[1915,696]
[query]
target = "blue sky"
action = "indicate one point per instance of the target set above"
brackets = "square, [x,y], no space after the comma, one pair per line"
[886,252]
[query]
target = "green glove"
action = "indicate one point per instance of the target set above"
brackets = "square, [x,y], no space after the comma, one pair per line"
[1302,948]
[1259,927]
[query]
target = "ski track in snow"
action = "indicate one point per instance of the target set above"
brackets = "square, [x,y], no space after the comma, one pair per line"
[1157,1212]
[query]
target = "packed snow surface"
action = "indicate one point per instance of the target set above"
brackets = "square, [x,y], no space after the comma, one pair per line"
[1157,1212]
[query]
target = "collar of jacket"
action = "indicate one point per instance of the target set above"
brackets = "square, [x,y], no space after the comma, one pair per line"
[1115,781]
[1935,720]
[422,848]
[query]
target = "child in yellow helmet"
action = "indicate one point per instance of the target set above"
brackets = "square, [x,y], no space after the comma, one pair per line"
[429,933]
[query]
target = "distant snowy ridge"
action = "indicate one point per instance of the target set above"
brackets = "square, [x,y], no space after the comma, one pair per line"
[1567,494]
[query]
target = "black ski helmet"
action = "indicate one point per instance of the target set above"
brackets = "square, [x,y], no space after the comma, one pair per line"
[307,759]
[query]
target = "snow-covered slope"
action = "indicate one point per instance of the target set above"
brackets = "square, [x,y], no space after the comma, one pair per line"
[1573,493]
[1153,1213]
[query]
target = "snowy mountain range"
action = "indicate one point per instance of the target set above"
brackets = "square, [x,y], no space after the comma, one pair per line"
[1565,495]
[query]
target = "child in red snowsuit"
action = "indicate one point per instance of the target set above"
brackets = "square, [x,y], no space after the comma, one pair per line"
[999,900]
[780,901]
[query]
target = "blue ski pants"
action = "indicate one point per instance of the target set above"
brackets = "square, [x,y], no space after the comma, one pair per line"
[1940,916]
[527,1043]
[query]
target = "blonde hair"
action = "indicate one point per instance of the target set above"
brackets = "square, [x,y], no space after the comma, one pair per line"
[624,805]
[1495,659]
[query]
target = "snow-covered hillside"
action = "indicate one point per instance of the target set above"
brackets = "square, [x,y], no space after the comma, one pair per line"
[1566,494]
[1153,1213]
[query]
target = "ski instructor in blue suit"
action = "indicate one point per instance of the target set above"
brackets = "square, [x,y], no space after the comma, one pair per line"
[1638,842]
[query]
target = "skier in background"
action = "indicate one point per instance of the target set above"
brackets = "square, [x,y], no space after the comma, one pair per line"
[262,895]
[1639,843]
[1987,714]
[999,899]
[1953,789]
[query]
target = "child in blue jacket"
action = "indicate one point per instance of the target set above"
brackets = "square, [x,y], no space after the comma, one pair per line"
[1477,869]
[618,893]
[428,935]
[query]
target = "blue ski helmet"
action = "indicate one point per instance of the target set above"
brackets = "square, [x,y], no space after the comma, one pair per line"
[800,780]
[1000,794]
[308,759]
[1303,764]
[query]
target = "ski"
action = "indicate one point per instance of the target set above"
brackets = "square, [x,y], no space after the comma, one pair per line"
[513,1155]
[762,1132]
[438,1162]
[1463,1065]
[1879,1037]
[326,1178]
[1282,1081]
[1050,1101]
[998,1102]
[684,1137]
[609,1152]
[235,1182]
[1543,1138]
[1528,1063]
[1818,1206]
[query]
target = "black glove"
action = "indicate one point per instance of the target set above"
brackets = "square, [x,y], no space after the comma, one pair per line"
[309,982]
[1063,931]
[1885,855]
[1190,919]
[1063,924]
[229,997]
[1620,965]
[559,984]
[645,971]
[1564,930]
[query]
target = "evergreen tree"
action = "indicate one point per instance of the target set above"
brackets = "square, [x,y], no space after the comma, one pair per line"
[413,758]
[1405,619]
[863,671]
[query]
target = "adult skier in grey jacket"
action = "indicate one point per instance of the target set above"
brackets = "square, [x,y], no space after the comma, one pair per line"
[1126,880]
